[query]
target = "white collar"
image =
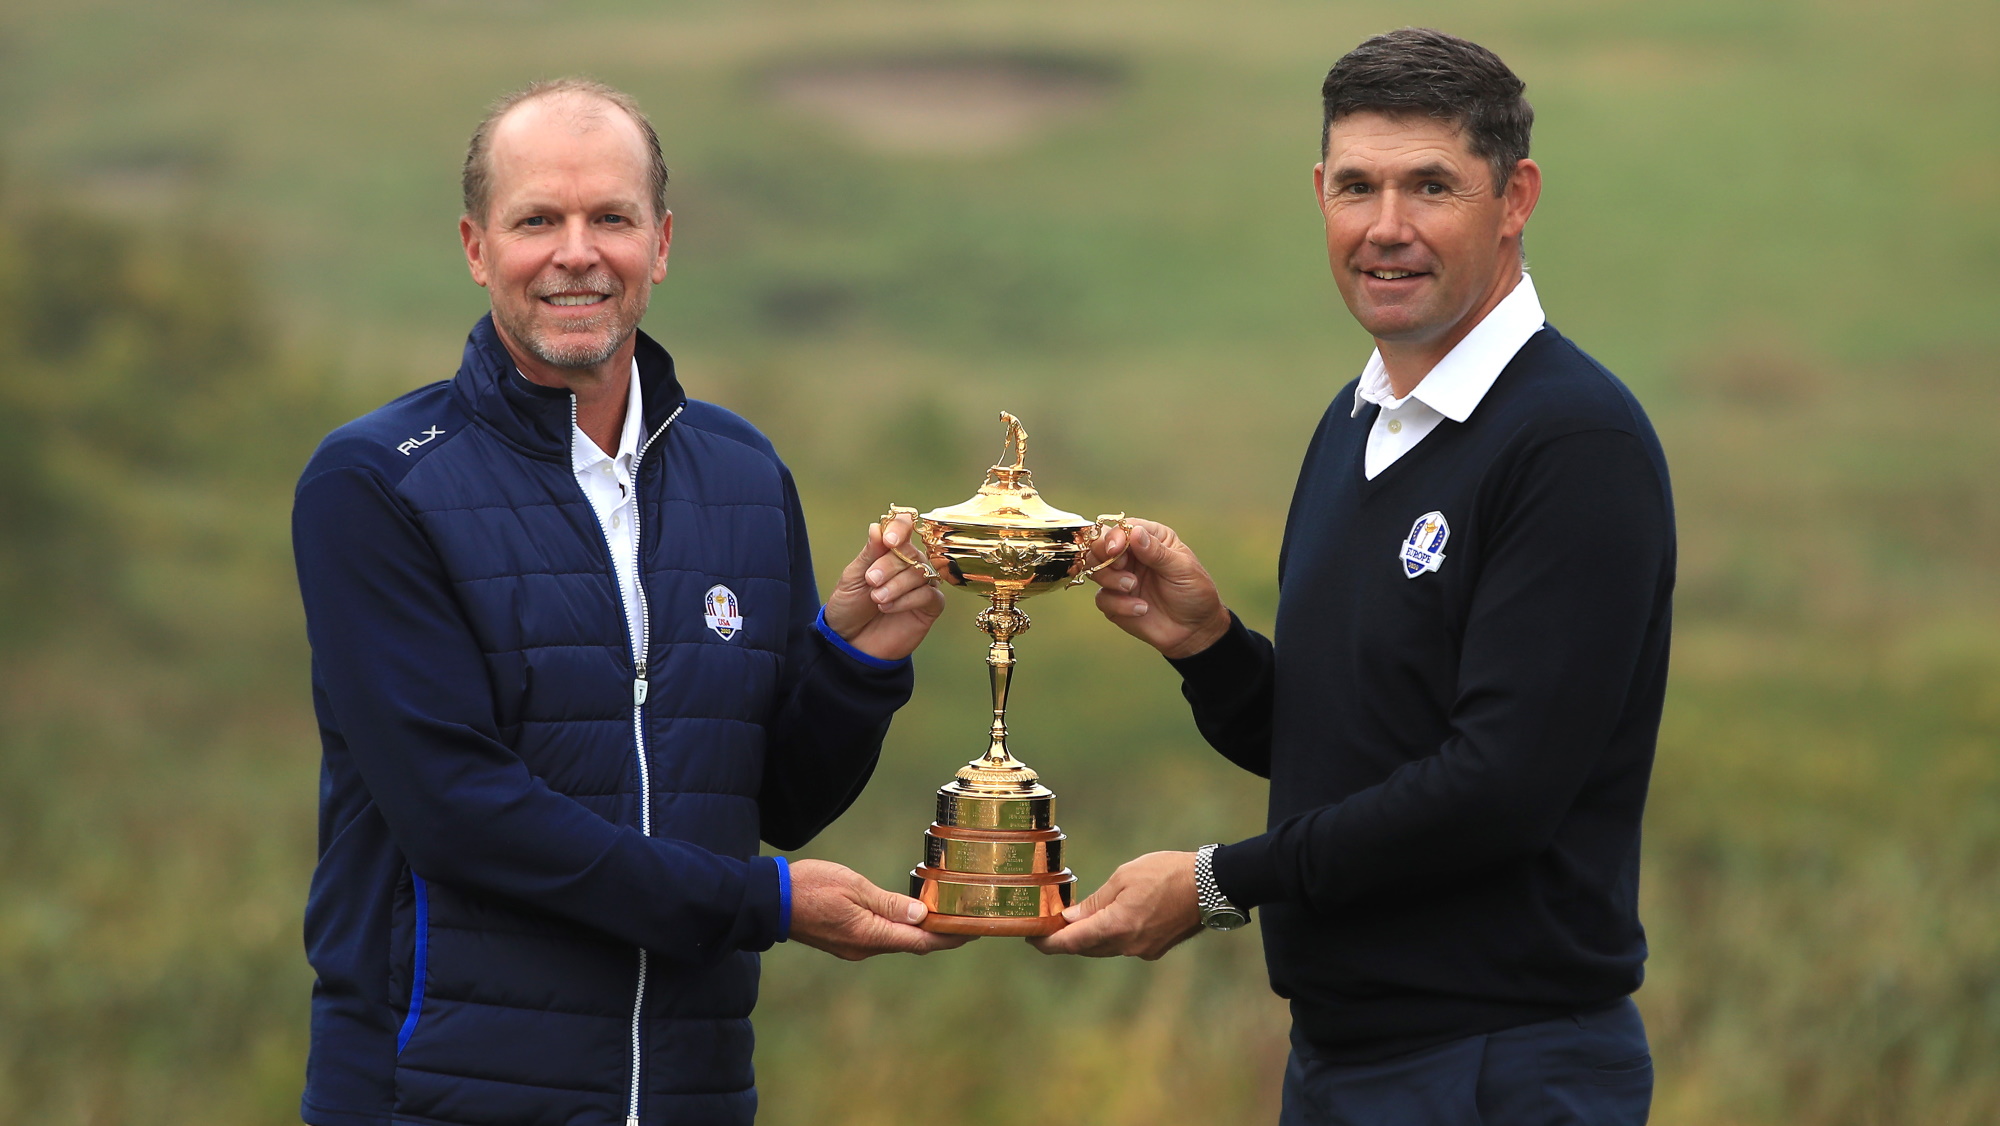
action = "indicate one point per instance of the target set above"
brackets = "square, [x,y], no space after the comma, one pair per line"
[584,453]
[1459,381]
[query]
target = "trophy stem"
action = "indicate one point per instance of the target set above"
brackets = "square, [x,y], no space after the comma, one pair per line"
[1002,621]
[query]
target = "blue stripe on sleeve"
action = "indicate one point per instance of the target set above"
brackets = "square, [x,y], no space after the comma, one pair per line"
[784,898]
[841,643]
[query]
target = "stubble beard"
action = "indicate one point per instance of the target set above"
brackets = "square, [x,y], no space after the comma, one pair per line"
[589,342]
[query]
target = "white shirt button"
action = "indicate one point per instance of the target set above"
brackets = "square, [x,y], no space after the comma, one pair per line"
[1395,426]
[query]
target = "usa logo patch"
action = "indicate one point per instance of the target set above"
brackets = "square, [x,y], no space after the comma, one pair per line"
[720,611]
[1424,550]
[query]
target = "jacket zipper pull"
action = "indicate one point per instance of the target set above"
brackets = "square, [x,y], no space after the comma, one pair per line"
[638,691]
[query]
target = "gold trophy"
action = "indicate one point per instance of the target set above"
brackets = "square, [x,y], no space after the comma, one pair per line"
[993,860]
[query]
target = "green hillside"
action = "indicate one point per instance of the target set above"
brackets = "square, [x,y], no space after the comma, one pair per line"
[232,228]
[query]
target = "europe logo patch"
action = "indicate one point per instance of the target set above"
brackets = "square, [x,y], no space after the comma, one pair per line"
[1424,550]
[720,611]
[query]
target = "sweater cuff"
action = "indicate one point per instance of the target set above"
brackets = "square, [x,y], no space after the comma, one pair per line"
[784,898]
[1246,873]
[1230,665]
[842,644]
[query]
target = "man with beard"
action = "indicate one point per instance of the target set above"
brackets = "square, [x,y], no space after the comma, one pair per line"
[1458,710]
[570,666]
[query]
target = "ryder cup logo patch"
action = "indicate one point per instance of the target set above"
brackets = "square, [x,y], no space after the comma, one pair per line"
[1424,550]
[719,610]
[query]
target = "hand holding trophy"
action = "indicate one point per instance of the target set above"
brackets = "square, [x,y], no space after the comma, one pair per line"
[993,860]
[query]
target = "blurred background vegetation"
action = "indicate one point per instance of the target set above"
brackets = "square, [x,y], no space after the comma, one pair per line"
[228,227]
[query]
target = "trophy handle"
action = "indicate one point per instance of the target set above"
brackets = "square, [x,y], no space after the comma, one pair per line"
[1095,532]
[920,563]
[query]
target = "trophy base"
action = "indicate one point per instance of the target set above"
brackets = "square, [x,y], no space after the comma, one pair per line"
[993,860]
[1002,928]
[1032,903]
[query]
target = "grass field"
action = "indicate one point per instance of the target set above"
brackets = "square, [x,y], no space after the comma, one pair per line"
[1775,221]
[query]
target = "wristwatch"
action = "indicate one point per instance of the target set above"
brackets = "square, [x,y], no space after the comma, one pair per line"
[1217,913]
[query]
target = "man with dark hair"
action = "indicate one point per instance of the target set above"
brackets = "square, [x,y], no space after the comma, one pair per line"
[570,665]
[1459,709]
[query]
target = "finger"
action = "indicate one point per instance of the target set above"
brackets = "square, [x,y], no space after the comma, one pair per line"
[1095,937]
[1115,605]
[853,576]
[936,941]
[924,598]
[1050,943]
[1149,548]
[873,549]
[898,585]
[896,938]
[1062,941]
[889,542]
[885,564]
[887,904]
[1117,574]
[1112,543]
[1157,547]
[1096,901]
[1117,578]
[1056,942]
[898,531]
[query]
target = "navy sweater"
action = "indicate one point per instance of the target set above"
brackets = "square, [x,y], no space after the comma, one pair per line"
[1458,757]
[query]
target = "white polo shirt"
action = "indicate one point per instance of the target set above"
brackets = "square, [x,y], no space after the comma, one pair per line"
[607,483]
[1453,388]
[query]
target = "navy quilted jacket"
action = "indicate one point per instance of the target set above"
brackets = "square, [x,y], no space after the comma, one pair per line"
[503,935]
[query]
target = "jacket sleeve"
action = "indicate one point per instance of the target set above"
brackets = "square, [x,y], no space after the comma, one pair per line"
[1229,688]
[407,684]
[1577,568]
[834,708]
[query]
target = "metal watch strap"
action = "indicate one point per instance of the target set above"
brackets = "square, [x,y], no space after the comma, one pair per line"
[1217,912]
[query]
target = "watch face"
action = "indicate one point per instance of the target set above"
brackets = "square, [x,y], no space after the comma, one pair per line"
[1225,919]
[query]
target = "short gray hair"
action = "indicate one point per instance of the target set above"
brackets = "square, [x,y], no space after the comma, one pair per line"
[476,179]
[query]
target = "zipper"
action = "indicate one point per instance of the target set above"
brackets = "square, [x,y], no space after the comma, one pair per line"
[642,637]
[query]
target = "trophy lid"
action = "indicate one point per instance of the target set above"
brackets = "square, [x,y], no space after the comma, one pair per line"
[1008,499]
